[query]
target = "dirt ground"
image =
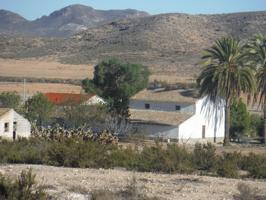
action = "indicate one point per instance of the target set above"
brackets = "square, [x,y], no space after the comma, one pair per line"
[32,88]
[64,181]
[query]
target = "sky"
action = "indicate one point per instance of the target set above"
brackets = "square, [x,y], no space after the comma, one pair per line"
[32,9]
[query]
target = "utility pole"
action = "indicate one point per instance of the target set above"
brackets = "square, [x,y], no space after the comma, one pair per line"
[24,90]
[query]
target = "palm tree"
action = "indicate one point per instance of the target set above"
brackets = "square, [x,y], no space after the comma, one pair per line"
[225,75]
[257,52]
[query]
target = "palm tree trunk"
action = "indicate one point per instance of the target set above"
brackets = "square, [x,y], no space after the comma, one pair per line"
[264,124]
[227,124]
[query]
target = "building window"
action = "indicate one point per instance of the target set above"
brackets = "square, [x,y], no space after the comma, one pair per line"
[6,128]
[147,106]
[177,107]
[203,132]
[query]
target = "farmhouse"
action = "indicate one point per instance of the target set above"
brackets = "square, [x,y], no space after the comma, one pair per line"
[66,99]
[177,114]
[13,125]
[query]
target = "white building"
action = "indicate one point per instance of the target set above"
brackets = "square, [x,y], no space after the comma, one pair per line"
[13,125]
[178,115]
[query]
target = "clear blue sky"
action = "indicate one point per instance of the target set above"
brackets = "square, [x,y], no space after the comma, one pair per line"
[32,9]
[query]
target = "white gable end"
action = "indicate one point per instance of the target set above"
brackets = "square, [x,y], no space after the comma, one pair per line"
[13,125]
[207,122]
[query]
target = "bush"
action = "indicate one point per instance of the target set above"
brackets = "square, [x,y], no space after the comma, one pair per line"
[255,165]
[240,119]
[77,152]
[204,156]
[24,188]
[256,124]
[228,165]
[172,159]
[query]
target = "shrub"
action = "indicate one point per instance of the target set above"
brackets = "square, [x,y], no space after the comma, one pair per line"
[256,124]
[170,160]
[240,119]
[178,159]
[228,165]
[77,152]
[204,156]
[255,164]
[24,188]
[128,158]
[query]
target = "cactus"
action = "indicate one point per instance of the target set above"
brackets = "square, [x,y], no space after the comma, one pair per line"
[58,133]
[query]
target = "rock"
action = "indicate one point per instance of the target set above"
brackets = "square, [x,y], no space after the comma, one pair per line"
[77,196]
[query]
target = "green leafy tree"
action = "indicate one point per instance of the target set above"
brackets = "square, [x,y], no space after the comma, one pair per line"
[225,75]
[10,100]
[257,52]
[240,118]
[256,124]
[117,82]
[38,109]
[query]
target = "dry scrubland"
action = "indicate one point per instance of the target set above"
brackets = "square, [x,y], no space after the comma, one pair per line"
[43,69]
[32,88]
[48,68]
[69,182]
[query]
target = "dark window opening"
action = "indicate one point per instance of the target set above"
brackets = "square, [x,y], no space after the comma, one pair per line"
[147,106]
[177,107]
[6,127]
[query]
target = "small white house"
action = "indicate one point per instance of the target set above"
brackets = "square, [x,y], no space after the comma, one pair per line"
[178,115]
[13,125]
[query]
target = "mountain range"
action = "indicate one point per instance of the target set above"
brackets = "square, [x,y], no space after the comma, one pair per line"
[63,22]
[167,42]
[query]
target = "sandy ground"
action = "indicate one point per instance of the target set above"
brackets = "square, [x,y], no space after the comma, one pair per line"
[32,88]
[171,187]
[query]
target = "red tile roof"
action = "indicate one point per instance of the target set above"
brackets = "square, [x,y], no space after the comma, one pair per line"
[67,98]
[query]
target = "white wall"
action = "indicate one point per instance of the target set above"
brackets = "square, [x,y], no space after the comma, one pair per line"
[23,125]
[157,130]
[162,106]
[207,114]
[95,100]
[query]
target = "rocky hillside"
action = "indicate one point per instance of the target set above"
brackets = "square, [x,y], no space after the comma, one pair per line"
[64,22]
[170,43]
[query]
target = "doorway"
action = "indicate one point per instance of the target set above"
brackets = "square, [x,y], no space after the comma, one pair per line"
[14,130]
[203,132]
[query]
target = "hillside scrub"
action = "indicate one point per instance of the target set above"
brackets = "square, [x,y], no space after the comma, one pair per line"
[23,188]
[79,153]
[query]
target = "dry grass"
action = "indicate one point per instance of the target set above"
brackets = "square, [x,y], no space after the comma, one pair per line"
[44,69]
[50,68]
[32,88]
